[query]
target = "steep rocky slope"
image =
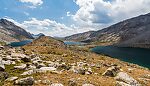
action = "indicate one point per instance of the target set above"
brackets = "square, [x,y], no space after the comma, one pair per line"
[9,32]
[132,32]
[79,37]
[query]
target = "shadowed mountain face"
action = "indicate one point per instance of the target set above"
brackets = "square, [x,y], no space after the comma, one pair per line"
[134,32]
[79,37]
[9,32]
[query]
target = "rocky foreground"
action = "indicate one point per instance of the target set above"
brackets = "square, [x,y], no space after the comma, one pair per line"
[72,66]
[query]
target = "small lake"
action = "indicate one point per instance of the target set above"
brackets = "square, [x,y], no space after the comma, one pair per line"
[138,56]
[18,44]
[73,43]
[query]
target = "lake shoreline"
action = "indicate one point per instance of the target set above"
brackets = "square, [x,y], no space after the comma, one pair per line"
[127,54]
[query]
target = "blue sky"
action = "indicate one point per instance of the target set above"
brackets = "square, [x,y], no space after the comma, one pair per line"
[67,17]
[51,9]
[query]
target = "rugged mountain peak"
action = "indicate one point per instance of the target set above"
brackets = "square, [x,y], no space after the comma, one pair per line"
[10,32]
[6,22]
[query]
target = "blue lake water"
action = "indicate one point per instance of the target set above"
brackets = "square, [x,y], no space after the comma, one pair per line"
[138,56]
[18,44]
[73,43]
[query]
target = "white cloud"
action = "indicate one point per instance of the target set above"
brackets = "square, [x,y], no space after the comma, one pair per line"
[91,15]
[103,13]
[69,14]
[33,2]
[48,27]
[26,13]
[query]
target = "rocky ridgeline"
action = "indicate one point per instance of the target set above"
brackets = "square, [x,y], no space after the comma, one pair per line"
[33,64]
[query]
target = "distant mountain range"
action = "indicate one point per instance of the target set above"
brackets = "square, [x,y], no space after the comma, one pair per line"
[37,35]
[9,32]
[134,32]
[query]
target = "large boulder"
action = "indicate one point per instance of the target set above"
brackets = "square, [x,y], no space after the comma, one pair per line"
[45,69]
[12,79]
[2,66]
[25,81]
[123,79]
[78,70]
[21,67]
[111,71]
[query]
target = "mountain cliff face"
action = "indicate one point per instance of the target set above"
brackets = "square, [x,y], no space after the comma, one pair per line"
[9,32]
[134,32]
[79,37]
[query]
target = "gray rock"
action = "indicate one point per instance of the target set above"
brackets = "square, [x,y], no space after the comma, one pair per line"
[2,66]
[29,72]
[36,59]
[45,69]
[89,71]
[48,68]
[122,84]
[25,81]
[111,71]
[31,67]
[18,55]
[21,67]
[40,65]
[8,57]
[81,64]
[56,84]
[63,66]
[12,79]
[78,70]
[88,85]
[8,62]
[124,78]
[53,64]
[3,75]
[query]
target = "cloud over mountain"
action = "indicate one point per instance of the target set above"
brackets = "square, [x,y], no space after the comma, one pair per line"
[48,27]
[103,12]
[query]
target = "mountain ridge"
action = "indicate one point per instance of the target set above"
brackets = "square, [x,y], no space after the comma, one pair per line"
[133,32]
[9,32]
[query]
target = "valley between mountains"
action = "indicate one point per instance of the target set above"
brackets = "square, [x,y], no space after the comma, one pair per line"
[48,61]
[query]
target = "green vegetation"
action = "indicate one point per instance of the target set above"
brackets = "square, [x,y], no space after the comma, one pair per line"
[2,43]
